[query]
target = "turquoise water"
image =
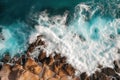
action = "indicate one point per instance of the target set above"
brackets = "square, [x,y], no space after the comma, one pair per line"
[17,24]
[15,38]
[87,32]
[17,19]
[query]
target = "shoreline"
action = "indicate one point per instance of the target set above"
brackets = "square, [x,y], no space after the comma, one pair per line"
[52,67]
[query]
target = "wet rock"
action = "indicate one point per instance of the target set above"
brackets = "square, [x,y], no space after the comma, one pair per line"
[82,38]
[117,65]
[100,76]
[83,76]
[118,51]
[57,57]
[39,41]
[6,58]
[23,59]
[42,56]
[69,69]
[0,66]
[112,36]
[49,60]
[63,59]
[117,77]
[56,66]
[94,76]
[108,71]
[31,47]
[100,66]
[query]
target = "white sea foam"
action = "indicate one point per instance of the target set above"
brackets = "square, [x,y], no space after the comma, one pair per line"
[96,47]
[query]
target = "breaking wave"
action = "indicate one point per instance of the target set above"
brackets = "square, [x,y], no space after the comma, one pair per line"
[88,35]
[90,38]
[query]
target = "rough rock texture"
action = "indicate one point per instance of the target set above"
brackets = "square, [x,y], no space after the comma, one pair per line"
[50,67]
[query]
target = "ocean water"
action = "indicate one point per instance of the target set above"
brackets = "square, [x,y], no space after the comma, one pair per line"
[87,32]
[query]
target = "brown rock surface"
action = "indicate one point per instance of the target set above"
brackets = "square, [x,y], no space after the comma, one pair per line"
[42,56]
[32,66]
[64,78]
[53,79]
[5,71]
[27,75]
[48,73]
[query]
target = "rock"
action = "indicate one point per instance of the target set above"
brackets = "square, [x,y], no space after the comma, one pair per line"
[93,76]
[16,72]
[118,51]
[24,59]
[56,66]
[17,67]
[57,76]
[42,56]
[64,78]
[83,76]
[57,56]
[39,41]
[52,79]
[69,69]
[108,71]
[32,66]
[31,48]
[14,75]
[6,58]
[1,66]
[100,66]
[61,73]
[27,75]
[63,59]
[5,71]
[48,73]
[100,76]
[49,60]
[117,65]
[76,78]
[117,77]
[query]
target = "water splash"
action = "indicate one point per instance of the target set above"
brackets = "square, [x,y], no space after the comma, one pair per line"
[87,41]
[92,36]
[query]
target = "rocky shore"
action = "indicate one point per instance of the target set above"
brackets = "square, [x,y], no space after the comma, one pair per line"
[52,67]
